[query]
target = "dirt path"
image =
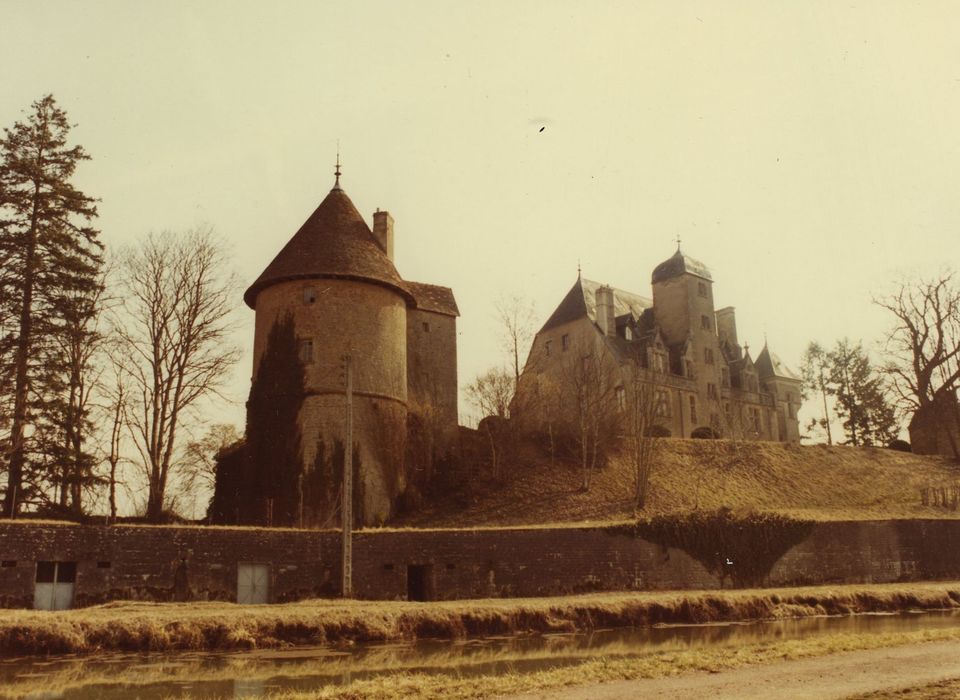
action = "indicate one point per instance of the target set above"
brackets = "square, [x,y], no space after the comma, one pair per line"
[834,676]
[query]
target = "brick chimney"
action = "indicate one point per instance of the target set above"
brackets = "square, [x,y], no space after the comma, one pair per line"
[383,232]
[606,318]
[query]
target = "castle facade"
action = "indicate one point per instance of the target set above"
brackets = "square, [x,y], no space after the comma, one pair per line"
[706,383]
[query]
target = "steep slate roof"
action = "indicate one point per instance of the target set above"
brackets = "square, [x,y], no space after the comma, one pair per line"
[769,365]
[335,242]
[581,301]
[677,264]
[431,297]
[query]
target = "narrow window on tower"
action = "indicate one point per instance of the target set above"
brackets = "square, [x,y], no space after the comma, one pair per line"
[693,409]
[565,341]
[426,327]
[309,295]
[705,323]
[702,288]
[708,355]
[546,347]
[305,350]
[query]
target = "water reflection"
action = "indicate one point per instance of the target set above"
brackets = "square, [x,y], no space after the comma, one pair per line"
[252,674]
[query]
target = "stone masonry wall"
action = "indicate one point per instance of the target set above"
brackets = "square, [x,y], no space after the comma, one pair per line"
[133,562]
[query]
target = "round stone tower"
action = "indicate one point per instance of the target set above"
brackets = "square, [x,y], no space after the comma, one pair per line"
[336,283]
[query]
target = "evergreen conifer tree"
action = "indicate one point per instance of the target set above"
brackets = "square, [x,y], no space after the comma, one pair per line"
[862,402]
[50,256]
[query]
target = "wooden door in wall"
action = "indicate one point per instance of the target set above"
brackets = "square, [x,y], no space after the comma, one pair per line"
[53,589]
[253,582]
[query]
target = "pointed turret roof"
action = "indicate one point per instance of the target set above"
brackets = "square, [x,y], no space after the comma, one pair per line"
[769,365]
[334,242]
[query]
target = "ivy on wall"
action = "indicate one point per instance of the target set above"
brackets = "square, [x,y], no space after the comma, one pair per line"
[741,547]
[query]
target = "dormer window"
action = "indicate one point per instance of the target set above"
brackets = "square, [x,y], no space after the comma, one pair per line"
[309,295]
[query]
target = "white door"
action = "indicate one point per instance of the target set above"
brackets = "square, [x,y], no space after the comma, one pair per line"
[252,583]
[53,589]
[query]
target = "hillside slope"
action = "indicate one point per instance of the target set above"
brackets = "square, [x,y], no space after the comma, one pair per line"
[816,482]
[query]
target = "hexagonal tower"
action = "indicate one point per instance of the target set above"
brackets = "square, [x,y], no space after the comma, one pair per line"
[335,279]
[683,308]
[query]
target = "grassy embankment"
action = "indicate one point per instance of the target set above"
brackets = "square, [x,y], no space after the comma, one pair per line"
[199,626]
[813,482]
[944,690]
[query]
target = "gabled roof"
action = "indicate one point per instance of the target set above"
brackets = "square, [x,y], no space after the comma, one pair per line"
[678,264]
[334,242]
[769,365]
[431,297]
[581,301]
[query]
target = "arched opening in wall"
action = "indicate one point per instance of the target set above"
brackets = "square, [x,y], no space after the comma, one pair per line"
[658,431]
[704,433]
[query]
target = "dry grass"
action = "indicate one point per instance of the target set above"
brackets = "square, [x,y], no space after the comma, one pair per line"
[812,482]
[206,626]
[943,690]
[606,669]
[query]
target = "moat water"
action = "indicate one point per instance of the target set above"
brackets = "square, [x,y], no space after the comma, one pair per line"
[256,673]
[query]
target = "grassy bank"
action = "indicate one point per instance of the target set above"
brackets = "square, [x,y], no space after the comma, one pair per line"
[209,626]
[814,482]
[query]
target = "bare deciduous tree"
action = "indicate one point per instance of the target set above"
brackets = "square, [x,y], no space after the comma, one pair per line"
[116,408]
[490,393]
[923,345]
[198,468]
[177,301]
[640,418]
[588,382]
[516,315]
[814,368]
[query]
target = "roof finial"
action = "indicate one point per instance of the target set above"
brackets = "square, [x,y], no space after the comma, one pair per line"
[678,242]
[578,268]
[336,173]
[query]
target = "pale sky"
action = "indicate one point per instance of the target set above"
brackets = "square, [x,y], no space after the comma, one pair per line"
[807,152]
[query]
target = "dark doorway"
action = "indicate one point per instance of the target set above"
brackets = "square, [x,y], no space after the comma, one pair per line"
[420,582]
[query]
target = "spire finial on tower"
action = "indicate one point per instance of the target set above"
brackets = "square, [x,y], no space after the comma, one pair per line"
[678,242]
[336,173]
[578,268]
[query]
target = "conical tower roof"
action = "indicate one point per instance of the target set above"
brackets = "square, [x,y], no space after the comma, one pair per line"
[335,242]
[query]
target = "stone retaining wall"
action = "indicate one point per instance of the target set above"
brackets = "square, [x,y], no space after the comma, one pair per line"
[168,563]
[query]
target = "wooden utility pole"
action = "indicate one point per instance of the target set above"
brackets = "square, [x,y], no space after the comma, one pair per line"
[346,508]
